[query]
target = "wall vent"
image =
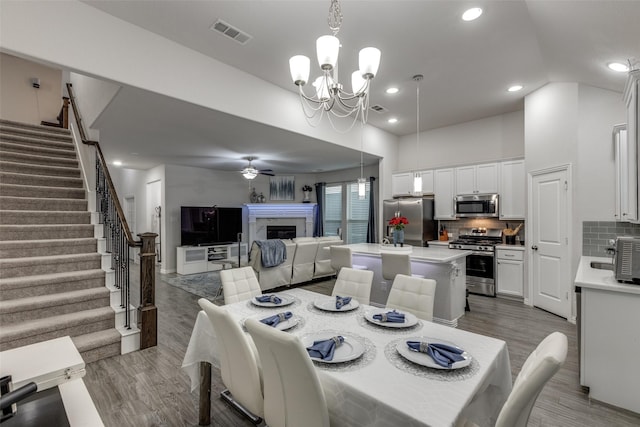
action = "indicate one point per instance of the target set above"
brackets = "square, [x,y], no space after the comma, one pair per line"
[379,109]
[230,31]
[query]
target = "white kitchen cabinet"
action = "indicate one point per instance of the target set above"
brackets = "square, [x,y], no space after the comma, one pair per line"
[512,190]
[632,180]
[427,182]
[510,272]
[200,259]
[402,184]
[444,192]
[477,179]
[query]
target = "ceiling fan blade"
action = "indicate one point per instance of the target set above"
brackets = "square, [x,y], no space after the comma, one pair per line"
[266,173]
[266,170]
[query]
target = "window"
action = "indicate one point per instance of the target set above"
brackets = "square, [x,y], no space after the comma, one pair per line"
[353,220]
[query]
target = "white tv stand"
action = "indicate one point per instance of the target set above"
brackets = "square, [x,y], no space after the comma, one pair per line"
[201,259]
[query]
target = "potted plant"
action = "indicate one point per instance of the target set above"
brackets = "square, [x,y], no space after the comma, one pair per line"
[398,223]
[306,189]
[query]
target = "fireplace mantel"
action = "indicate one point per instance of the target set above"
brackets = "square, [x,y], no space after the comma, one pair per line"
[261,214]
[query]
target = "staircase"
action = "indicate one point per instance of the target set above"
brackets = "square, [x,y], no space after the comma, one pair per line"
[52,281]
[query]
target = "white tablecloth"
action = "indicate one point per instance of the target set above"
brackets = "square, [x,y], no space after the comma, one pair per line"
[382,389]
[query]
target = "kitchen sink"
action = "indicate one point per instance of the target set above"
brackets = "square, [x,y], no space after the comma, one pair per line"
[602,265]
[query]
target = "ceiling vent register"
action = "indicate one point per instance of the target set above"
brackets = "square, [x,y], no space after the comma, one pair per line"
[229,31]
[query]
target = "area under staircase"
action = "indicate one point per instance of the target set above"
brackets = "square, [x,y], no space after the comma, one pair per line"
[54,278]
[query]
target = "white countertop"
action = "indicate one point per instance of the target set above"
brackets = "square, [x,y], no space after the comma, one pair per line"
[594,278]
[511,247]
[417,253]
[439,242]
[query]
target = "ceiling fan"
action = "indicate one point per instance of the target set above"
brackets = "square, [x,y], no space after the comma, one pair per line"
[250,172]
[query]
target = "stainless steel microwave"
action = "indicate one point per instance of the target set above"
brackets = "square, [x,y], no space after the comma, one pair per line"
[477,206]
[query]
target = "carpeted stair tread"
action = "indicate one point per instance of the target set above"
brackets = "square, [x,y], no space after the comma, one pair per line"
[98,345]
[53,231]
[32,159]
[39,217]
[30,248]
[17,267]
[29,204]
[38,139]
[41,180]
[51,283]
[41,192]
[44,170]
[36,279]
[13,133]
[40,306]
[38,147]
[12,124]
[80,322]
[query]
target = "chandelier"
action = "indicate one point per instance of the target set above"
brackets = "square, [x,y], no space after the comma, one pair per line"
[329,95]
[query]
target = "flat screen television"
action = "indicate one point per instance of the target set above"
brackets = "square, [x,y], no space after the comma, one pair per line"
[205,226]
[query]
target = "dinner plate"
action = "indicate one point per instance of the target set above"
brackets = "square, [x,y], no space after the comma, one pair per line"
[329,304]
[286,300]
[424,359]
[409,319]
[281,326]
[350,349]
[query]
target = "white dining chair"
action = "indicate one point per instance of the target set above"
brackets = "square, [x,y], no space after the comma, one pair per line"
[341,256]
[354,283]
[293,395]
[393,264]
[239,366]
[540,366]
[239,284]
[414,295]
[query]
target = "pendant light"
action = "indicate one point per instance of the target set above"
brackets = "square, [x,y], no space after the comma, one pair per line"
[362,183]
[417,178]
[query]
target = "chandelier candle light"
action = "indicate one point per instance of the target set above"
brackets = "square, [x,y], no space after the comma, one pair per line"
[330,96]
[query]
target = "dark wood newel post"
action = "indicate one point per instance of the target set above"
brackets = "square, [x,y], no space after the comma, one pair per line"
[65,113]
[147,312]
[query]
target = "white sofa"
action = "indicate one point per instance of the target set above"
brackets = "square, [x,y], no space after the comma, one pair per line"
[307,259]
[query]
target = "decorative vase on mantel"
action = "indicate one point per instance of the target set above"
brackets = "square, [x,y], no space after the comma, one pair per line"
[306,199]
[398,237]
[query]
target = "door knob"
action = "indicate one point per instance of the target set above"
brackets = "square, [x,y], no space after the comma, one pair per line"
[534,247]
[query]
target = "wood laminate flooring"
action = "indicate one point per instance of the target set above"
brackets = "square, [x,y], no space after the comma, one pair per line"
[148,388]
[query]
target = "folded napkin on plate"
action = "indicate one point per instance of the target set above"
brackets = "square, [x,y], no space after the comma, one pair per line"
[269,298]
[390,316]
[342,301]
[324,349]
[443,354]
[276,318]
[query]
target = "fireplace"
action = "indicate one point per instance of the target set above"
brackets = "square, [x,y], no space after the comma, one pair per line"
[262,215]
[281,231]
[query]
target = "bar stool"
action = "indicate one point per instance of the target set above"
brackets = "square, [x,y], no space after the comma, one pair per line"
[393,264]
[341,257]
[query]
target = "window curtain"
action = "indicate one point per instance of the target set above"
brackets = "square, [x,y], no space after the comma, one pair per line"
[371,226]
[318,227]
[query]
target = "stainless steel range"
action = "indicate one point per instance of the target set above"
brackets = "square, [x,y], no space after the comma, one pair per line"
[480,264]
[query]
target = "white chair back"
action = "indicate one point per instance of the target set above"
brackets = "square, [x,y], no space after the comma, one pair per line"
[238,361]
[340,257]
[393,264]
[293,395]
[354,283]
[239,284]
[540,366]
[414,295]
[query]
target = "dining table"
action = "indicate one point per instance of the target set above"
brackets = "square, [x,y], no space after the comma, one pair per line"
[380,387]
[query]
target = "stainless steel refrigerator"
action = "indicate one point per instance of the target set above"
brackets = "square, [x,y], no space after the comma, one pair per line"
[419,211]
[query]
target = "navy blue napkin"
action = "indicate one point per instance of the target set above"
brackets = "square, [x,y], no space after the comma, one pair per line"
[390,316]
[277,318]
[324,349]
[342,301]
[443,354]
[269,298]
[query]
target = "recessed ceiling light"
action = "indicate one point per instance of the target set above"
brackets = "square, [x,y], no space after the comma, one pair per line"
[471,14]
[117,163]
[618,66]
[392,90]
[515,88]
[392,120]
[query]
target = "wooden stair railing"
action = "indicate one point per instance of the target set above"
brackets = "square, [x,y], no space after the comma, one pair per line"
[119,240]
[63,116]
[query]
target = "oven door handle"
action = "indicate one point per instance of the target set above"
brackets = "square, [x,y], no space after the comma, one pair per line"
[482,253]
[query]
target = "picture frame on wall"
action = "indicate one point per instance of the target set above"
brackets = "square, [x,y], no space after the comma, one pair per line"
[282,187]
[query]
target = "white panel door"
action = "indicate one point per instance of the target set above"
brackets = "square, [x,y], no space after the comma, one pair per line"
[549,242]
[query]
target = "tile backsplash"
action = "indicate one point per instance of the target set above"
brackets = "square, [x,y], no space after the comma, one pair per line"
[453,227]
[596,235]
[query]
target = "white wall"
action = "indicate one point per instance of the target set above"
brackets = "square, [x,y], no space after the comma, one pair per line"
[93,96]
[485,140]
[19,100]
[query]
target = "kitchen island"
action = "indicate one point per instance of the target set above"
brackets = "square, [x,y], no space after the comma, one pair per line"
[608,317]
[446,266]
